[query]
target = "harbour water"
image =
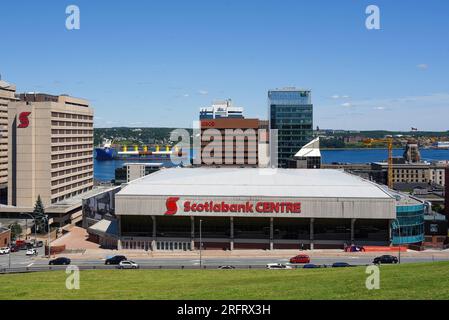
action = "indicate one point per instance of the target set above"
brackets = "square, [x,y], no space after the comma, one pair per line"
[105,170]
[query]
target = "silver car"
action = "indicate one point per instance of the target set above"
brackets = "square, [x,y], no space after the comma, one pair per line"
[127,264]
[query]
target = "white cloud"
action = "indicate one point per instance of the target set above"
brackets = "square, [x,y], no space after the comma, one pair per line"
[423,66]
[428,112]
[337,96]
[203,92]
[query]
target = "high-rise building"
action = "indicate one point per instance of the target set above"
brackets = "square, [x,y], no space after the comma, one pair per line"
[7,94]
[411,153]
[221,109]
[291,113]
[50,149]
[237,141]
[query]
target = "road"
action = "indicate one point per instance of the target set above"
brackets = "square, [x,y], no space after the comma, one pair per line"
[20,260]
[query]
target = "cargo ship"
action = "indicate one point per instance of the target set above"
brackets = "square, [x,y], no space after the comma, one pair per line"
[105,152]
[109,152]
[146,154]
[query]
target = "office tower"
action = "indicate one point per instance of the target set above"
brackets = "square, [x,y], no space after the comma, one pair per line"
[50,149]
[7,94]
[291,113]
[225,130]
[221,109]
[237,141]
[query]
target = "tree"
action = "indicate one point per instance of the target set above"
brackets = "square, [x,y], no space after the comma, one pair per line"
[16,230]
[39,215]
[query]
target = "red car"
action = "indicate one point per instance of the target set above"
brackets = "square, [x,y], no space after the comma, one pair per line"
[302,258]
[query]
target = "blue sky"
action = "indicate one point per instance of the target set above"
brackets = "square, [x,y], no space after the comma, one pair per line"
[155,63]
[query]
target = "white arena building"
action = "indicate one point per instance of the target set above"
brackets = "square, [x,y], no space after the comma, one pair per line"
[246,208]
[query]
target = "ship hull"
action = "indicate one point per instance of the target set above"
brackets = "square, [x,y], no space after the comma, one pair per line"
[104,154]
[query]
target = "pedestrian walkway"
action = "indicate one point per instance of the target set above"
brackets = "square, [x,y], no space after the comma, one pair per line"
[75,239]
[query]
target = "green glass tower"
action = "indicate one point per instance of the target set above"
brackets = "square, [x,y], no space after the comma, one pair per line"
[291,113]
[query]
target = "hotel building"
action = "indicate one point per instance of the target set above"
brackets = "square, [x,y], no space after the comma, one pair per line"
[7,94]
[50,152]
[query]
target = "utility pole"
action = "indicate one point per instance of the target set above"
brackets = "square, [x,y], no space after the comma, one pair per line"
[400,240]
[201,244]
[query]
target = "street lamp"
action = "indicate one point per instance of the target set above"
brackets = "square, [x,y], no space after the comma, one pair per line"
[26,228]
[49,236]
[400,239]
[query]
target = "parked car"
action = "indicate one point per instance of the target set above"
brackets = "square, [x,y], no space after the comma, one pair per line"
[341,265]
[14,248]
[38,244]
[273,266]
[226,267]
[311,266]
[31,252]
[126,264]
[302,258]
[115,260]
[386,259]
[5,250]
[61,261]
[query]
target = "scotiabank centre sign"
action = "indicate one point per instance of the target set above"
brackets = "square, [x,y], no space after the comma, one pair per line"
[175,205]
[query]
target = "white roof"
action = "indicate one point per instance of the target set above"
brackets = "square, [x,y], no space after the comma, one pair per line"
[312,149]
[247,182]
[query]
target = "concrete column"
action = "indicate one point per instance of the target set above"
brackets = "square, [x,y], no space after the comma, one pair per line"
[231,235]
[312,246]
[390,232]
[271,234]
[352,230]
[153,242]
[192,233]
[119,226]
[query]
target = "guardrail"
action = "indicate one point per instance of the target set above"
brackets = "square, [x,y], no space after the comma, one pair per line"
[45,268]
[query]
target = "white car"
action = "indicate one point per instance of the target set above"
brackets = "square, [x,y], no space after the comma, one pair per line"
[31,252]
[278,266]
[126,264]
[5,250]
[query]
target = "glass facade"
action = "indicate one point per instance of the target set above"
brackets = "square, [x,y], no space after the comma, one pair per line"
[411,225]
[291,113]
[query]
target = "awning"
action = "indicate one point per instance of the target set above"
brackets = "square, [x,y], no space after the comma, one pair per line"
[104,228]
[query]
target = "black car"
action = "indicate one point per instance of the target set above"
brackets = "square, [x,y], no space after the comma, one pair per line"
[340,265]
[115,260]
[386,259]
[226,267]
[60,261]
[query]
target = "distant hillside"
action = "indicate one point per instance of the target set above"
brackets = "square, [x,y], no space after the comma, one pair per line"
[138,136]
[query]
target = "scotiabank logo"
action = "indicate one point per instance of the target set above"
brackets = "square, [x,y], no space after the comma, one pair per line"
[208,124]
[223,207]
[172,206]
[23,119]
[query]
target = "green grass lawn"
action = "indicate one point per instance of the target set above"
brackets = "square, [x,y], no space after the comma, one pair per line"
[407,281]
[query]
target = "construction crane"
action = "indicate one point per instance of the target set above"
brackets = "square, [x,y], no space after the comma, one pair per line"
[389,142]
